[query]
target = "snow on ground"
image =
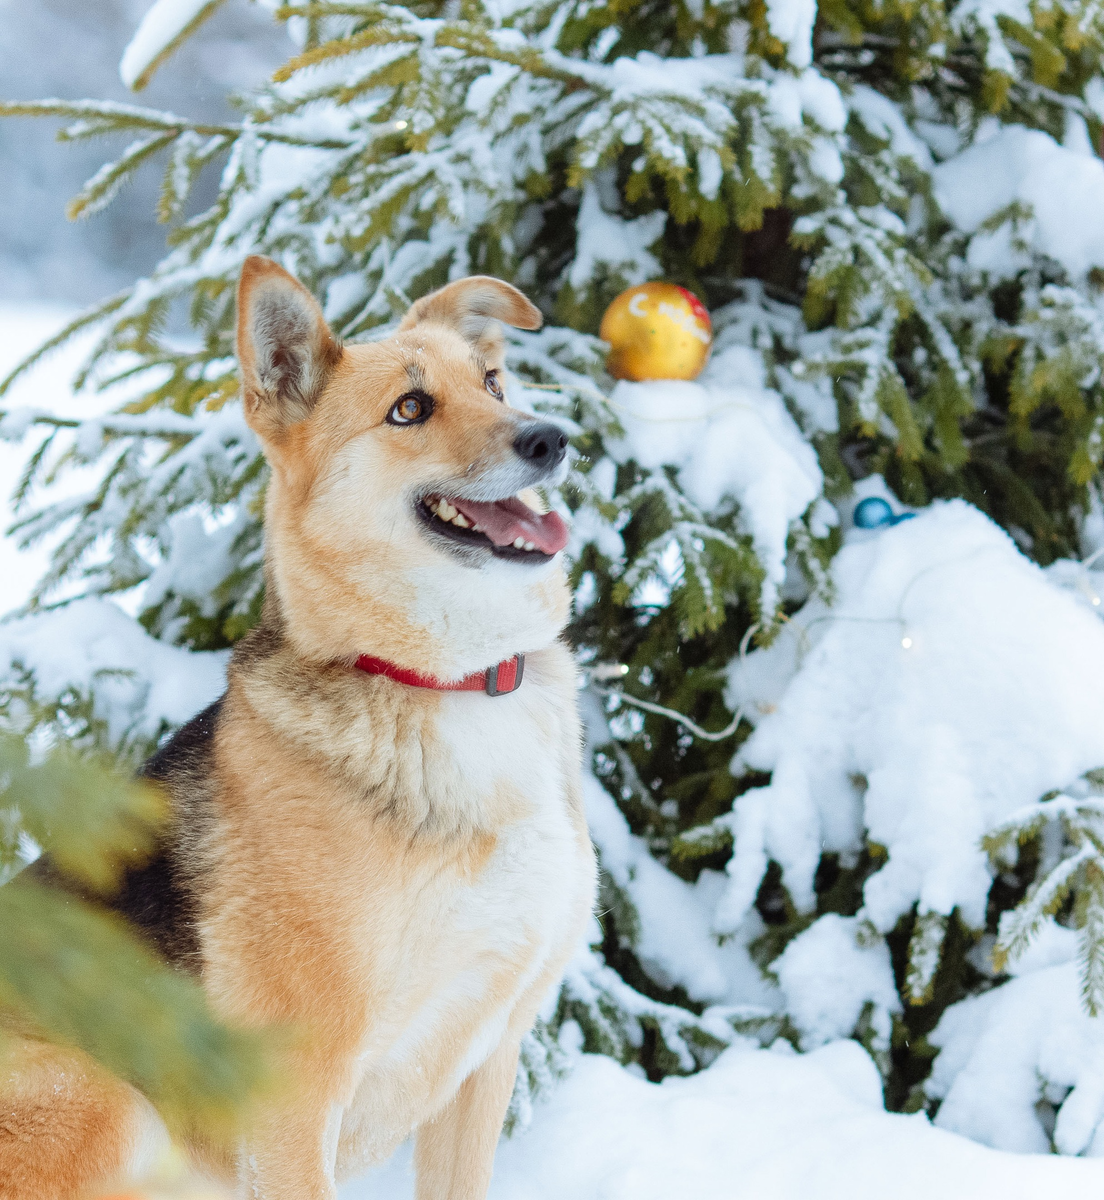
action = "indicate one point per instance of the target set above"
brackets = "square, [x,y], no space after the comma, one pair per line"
[758,1125]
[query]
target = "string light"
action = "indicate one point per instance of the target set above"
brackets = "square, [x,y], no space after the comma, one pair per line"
[1084,583]
[602,671]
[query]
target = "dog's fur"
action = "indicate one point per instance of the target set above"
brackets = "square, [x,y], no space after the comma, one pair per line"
[401,872]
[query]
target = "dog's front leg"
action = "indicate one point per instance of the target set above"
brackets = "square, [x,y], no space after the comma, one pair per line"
[454,1154]
[291,1156]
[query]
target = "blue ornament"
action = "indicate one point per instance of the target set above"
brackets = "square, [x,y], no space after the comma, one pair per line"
[874,512]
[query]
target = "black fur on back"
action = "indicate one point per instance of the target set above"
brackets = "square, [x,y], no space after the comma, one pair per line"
[158,897]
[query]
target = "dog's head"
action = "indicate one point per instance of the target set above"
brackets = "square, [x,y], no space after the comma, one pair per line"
[394,522]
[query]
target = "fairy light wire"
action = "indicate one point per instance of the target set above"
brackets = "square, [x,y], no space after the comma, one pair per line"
[800,631]
[617,670]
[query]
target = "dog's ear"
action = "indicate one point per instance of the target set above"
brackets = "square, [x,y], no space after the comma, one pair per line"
[285,347]
[473,307]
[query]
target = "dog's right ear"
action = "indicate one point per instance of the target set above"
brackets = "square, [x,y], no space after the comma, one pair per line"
[285,348]
[474,307]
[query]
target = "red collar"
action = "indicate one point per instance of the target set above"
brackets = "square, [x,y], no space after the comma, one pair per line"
[499,680]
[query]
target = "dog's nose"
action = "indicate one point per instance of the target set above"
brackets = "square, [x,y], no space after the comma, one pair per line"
[542,444]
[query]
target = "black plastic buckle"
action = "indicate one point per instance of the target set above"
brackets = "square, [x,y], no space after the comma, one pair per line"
[492,688]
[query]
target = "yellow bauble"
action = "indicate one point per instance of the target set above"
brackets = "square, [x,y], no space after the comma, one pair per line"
[656,331]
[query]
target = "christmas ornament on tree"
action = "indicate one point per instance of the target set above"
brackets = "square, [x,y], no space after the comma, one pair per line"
[656,331]
[874,512]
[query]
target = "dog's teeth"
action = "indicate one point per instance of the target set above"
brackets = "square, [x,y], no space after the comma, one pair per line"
[461,520]
[445,511]
[477,528]
[519,543]
[529,546]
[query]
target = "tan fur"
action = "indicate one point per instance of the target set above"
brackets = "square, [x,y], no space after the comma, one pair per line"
[64,1122]
[400,873]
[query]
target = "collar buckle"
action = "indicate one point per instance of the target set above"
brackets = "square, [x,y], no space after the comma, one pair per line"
[495,673]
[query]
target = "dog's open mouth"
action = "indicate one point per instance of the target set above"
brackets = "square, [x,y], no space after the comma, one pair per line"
[509,527]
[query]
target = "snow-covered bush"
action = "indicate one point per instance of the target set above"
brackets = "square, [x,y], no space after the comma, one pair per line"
[802,733]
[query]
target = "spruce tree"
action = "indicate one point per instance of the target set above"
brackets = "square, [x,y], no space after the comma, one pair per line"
[783,163]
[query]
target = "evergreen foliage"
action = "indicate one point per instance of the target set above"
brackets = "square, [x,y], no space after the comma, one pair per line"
[1069,875]
[575,147]
[72,973]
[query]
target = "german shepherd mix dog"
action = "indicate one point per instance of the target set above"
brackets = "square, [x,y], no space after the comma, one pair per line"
[377,832]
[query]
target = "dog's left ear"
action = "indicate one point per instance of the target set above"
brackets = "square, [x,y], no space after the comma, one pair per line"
[473,307]
[285,347]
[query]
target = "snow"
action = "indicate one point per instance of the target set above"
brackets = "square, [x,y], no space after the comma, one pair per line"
[809,94]
[947,683]
[791,21]
[950,684]
[1025,1042]
[620,245]
[164,24]
[884,119]
[140,686]
[44,387]
[730,437]
[758,1124]
[828,975]
[983,15]
[1063,189]
[674,940]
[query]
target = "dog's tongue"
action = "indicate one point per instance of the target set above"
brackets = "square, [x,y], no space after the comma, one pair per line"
[504,521]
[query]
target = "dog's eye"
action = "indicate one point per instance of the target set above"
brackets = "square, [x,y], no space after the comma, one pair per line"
[410,409]
[490,381]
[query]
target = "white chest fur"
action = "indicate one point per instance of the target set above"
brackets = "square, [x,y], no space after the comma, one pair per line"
[483,931]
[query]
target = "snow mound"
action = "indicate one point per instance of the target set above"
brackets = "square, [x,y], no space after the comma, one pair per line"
[142,686]
[1062,188]
[757,1124]
[1024,1046]
[950,684]
[730,437]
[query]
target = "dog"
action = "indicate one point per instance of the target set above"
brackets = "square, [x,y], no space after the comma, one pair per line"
[377,834]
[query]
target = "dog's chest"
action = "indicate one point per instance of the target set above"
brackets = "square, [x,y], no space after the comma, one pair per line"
[480,918]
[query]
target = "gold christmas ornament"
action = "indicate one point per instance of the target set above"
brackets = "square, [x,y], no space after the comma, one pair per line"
[656,331]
